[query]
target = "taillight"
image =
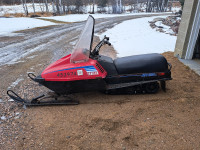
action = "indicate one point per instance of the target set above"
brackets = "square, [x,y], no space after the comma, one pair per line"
[161,74]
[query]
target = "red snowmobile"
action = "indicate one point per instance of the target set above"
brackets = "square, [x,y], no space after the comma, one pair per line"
[85,70]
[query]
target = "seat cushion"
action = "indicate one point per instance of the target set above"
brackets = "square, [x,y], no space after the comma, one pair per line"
[146,63]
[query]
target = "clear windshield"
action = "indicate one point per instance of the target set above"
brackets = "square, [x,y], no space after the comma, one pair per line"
[82,49]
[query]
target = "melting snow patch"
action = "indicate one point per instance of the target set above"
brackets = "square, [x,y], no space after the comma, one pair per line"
[14,62]
[24,106]
[17,115]
[3,118]
[165,28]
[16,82]
[30,57]
[12,34]
[73,42]
[11,100]
[26,53]
[1,100]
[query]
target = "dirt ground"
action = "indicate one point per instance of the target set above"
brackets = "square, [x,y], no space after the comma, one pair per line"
[166,120]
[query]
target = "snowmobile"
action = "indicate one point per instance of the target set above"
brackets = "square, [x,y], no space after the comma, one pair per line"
[85,70]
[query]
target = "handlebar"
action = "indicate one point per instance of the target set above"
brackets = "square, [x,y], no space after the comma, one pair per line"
[101,43]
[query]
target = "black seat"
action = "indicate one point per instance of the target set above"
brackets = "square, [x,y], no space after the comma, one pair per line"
[147,63]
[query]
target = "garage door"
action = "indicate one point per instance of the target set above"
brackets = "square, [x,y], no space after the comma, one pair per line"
[197,48]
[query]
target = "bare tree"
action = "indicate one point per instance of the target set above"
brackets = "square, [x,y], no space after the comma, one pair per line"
[41,6]
[33,4]
[46,5]
[63,5]
[93,6]
[57,7]
[53,6]
[25,7]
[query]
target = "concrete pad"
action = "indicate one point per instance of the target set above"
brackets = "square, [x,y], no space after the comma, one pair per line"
[193,64]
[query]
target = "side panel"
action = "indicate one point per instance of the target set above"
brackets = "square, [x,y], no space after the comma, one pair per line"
[63,87]
[63,70]
[137,77]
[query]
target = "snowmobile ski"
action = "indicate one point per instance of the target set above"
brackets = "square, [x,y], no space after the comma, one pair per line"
[37,101]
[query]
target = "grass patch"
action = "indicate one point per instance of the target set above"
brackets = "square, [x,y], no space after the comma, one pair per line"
[45,14]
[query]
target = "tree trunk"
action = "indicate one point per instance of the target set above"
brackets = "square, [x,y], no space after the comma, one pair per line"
[33,4]
[120,6]
[63,4]
[167,5]
[147,6]
[57,7]
[93,6]
[117,7]
[60,5]
[53,6]
[162,6]
[46,5]
[42,10]
[25,7]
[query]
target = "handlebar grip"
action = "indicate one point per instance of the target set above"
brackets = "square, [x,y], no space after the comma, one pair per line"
[108,43]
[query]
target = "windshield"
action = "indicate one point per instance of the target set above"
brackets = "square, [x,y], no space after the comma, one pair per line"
[82,49]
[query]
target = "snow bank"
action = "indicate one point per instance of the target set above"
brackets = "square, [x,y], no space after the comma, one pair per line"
[136,37]
[8,25]
[83,17]
[176,9]
[165,28]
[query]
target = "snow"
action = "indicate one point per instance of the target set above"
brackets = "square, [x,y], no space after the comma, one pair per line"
[136,37]
[31,57]
[166,29]
[3,118]
[8,25]
[176,9]
[83,17]
[11,100]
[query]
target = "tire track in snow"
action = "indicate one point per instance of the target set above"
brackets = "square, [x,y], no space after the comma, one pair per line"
[13,52]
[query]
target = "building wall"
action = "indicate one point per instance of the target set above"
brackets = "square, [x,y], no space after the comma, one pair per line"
[187,20]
